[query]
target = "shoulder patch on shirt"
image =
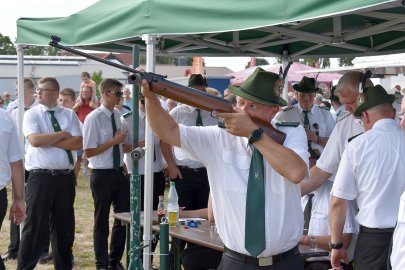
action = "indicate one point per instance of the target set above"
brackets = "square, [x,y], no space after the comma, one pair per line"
[324,108]
[351,138]
[342,116]
[287,124]
[126,115]
[288,108]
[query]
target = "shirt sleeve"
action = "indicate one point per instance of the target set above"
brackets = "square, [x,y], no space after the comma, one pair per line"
[125,127]
[75,128]
[30,123]
[90,136]
[14,151]
[330,157]
[297,141]
[344,186]
[330,122]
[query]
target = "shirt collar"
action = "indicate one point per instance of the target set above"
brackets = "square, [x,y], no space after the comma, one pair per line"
[300,109]
[45,108]
[106,110]
[384,122]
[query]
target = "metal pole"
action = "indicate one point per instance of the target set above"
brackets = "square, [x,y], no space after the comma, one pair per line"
[20,82]
[150,41]
[134,259]
[164,246]
[285,61]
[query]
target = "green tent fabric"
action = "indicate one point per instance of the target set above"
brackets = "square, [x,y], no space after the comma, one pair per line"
[230,27]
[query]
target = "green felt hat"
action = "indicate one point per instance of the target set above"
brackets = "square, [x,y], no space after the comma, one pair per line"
[262,87]
[372,96]
[306,85]
[197,80]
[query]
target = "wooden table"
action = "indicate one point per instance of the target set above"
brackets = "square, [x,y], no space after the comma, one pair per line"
[202,236]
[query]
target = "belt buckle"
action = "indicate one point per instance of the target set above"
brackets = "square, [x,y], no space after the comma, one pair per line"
[55,172]
[266,261]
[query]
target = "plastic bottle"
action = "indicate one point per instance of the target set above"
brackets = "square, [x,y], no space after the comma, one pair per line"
[161,209]
[173,206]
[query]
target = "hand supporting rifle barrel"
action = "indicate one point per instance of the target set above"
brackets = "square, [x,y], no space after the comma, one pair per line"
[187,95]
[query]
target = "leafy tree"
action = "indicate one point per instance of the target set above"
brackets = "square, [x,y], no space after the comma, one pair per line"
[97,77]
[6,46]
[259,62]
[345,61]
[37,50]
[316,62]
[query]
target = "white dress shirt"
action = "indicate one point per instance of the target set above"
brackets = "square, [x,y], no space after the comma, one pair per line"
[319,222]
[372,171]
[345,128]
[97,129]
[187,115]
[398,246]
[317,116]
[38,121]
[9,149]
[11,106]
[159,163]
[227,159]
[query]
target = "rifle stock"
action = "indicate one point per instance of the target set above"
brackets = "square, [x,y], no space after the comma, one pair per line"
[190,96]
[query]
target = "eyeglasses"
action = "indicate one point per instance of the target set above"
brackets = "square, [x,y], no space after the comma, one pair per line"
[116,93]
[45,89]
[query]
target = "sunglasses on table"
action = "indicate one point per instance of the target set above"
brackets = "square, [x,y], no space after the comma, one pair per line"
[116,93]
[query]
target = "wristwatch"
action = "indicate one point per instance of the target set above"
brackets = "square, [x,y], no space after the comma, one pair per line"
[256,135]
[335,245]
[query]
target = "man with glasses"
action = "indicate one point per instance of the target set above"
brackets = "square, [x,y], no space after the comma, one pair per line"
[104,135]
[52,133]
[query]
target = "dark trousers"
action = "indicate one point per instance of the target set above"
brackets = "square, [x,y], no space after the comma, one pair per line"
[372,247]
[324,265]
[200,258]
[15,232]
[193,190]
[49,200]
[109,187]
[3,211]
[293,263]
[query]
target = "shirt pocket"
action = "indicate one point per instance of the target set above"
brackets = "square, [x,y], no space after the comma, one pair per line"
[235,170]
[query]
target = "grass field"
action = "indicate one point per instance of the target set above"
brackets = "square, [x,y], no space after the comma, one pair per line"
[83,245]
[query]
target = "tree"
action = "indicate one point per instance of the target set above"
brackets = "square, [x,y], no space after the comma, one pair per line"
[259,62]
[316,62]
[345,61]
[97,77]
[37,50]
[6,46]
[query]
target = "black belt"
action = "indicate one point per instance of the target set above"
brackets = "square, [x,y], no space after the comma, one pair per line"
[197,170]
[108,170]
[265,261]
[376,230]
[52,172]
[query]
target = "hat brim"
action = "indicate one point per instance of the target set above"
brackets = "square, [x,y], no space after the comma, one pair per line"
[304,89]
[239,92]
[368,105]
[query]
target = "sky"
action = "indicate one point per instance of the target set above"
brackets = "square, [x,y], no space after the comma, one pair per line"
[13,10]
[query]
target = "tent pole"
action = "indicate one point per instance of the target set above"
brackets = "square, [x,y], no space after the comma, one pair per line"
[284,61]
[150,41]
[134,259]
[20,85]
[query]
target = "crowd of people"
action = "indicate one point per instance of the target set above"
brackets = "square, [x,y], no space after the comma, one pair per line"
[333,178]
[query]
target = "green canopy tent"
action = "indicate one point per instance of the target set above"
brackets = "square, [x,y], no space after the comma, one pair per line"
[286,29]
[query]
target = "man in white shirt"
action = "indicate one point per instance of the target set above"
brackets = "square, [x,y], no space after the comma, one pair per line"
[11,167]
[246,166]
[103,137]
[52,133]
[371,172]
[398,247]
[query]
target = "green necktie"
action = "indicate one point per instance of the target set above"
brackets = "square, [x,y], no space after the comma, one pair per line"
[307,213]
[116,147]
[307,126]
[255,240]
[199,122]
[56,128]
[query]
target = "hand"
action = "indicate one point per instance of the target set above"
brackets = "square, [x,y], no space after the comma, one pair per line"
[182,212]
[17,212]
[304,240]
[238,123]
[120,136]
[311,135]
[336,256]
[146,90]
[172,172]
[66,135]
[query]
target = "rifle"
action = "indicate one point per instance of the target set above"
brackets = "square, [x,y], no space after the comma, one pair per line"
[187,95]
